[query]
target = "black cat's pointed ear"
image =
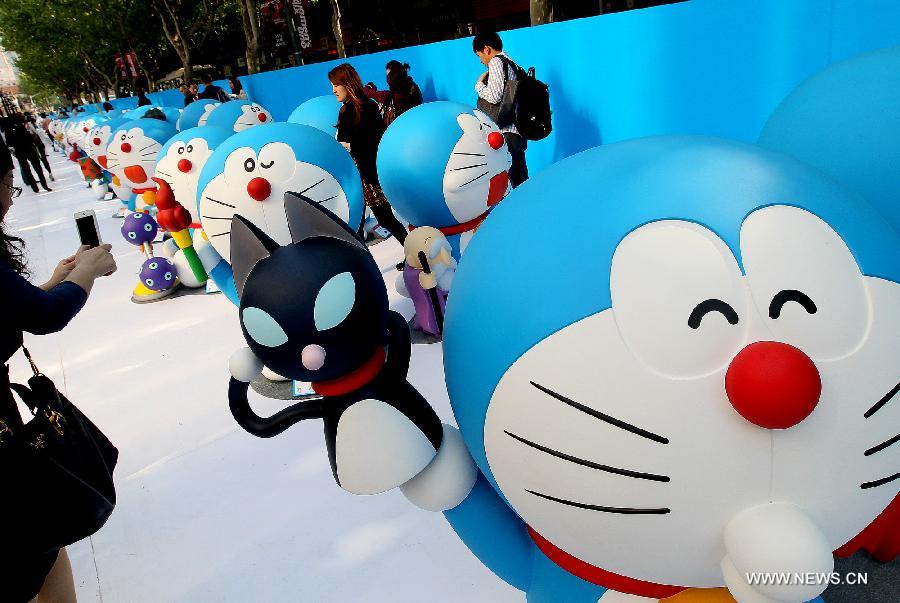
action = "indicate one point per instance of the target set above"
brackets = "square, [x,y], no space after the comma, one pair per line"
[307,219]
[249,245]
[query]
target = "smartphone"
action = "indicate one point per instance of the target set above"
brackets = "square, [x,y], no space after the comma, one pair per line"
[88,231]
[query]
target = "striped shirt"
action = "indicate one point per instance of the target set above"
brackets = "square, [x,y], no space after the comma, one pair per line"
[492,92]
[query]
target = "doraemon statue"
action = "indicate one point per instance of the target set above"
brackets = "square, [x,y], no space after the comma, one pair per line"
[319,112]
[444,165]
[181,160]
[249,174]
[95,145]
[695,386]
[133,149]
[237,116]
[196,114]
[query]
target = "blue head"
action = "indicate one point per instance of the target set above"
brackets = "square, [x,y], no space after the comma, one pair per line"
[319,112]
[442,164]
[249,174]
[587,365]
[238,116]
[845,120]
[196,114]
[181,160]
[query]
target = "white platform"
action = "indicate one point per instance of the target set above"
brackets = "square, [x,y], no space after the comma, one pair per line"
[207,512]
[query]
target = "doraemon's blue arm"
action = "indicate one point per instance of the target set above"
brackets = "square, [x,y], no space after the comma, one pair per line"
[495,534]
[224,279]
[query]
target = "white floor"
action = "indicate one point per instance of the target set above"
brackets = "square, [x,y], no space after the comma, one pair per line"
[207,512]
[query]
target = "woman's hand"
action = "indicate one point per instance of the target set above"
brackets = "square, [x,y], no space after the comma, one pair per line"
[62,270]
[98,259]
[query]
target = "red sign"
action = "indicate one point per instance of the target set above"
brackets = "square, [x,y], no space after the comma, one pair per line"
[120,64]
[131,61]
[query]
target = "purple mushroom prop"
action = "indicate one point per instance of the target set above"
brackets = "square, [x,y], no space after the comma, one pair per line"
[139,228]
[158,274]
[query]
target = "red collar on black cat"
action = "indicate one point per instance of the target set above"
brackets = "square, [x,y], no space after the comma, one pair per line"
[354,380]
[601,577]
[459,228]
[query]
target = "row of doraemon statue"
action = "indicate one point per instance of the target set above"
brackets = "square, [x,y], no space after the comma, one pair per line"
[688,380]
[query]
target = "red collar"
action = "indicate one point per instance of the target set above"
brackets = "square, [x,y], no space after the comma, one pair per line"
[459,228]
[601,577]
[138,191]
[354,380]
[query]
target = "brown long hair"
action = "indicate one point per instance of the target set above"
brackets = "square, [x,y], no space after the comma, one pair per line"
[345,75]
[12,249]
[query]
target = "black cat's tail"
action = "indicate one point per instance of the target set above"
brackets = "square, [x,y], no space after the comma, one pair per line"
[267,427]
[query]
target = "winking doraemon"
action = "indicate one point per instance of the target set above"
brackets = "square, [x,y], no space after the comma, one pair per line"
[249,174]
[696,387]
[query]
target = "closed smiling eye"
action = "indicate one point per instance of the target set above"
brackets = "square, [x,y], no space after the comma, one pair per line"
[264,166]
[711,305]
[786,295]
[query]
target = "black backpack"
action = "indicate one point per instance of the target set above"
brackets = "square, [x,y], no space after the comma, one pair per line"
[532,96]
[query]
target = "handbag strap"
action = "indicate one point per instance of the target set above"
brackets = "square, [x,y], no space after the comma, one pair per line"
[34,367]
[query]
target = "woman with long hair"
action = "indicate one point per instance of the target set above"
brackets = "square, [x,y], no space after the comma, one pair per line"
[359,129]
[39,310]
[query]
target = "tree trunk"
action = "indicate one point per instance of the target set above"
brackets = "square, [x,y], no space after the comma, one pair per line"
[251,34]
[541,12]
[174,35]
[336,26]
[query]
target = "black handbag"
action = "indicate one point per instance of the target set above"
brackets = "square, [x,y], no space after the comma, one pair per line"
[56,470]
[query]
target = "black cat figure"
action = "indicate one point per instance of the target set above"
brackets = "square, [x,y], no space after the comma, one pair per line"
[317,310]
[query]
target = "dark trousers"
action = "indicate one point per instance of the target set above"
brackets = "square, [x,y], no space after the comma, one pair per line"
[26,157]
[386,218]
[518,171]
[42,152]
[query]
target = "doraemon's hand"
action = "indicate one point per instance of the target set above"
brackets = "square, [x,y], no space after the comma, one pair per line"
[771,541]
[448,479]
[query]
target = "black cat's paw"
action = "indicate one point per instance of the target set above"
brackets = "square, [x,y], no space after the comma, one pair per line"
[377,448]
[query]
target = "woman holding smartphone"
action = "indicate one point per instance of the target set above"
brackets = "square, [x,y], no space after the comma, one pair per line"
[40,310]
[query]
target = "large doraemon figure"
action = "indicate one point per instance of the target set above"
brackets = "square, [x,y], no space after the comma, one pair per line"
[238,116]
[319,112]
[697,385]
[133,149]
[250,172]
[444,165]
[196,114]
[181,161]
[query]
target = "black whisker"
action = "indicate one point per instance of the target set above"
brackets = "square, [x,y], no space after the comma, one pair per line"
[313,186]
[603,417]
[470,154]
[163,174]
[880,404]
[221,233]
[146,147]
[883,445]
[620,510]
[221,203]
[472,180]
[328,199]
[879,482]
[215,218]
[467,167]
[578,461]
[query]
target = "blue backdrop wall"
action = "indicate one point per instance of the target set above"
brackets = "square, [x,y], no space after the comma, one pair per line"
[716,67]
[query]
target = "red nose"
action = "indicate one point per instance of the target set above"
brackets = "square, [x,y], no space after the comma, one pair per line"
[185,165]
[96,142]
[259,189]
[261,117]
[126,148]
[773,385]
[495,139]
[85,129]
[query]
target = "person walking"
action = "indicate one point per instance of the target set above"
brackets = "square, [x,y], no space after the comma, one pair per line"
[488,48]
[359,129]
[40,310]
[39,147]
[189,96]
[27,155]
[403,92]
[142,98]
[211,91]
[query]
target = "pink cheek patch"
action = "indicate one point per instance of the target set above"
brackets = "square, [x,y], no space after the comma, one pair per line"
[313,357]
